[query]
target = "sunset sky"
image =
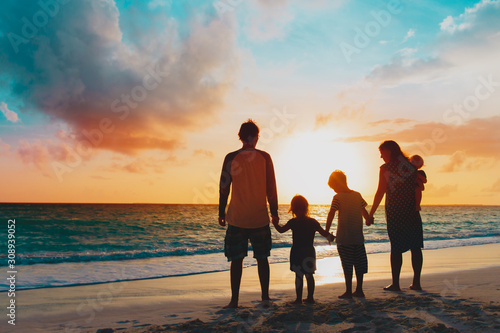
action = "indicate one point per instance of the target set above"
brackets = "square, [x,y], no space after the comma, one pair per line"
[139,101]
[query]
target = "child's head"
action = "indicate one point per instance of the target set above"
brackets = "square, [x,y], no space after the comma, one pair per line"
[338,181]
[417,161]
[299,206]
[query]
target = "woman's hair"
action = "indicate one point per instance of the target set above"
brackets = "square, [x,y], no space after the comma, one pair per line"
[299,206]
[394,148]
[248,131]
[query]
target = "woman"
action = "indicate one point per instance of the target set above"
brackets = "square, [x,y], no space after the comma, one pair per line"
[397,181]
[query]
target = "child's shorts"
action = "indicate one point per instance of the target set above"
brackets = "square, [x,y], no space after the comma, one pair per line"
[353,255]
[236,242]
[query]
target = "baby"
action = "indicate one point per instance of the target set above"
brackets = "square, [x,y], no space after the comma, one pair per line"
[418,162]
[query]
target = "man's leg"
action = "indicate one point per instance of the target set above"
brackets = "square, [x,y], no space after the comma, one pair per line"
[236,272]
[261,244]
[263,266]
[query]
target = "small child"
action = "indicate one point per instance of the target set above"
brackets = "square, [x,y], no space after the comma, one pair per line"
[349,237]
[303,254]
[418,162]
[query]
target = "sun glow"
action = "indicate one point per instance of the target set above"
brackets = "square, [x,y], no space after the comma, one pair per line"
[306,160]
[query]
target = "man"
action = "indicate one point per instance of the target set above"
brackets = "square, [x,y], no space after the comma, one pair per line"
[251,173]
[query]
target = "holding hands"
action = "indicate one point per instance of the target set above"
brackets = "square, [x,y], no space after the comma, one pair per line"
[330,238]
[370,220]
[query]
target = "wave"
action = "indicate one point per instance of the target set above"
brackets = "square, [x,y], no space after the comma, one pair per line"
[105,255]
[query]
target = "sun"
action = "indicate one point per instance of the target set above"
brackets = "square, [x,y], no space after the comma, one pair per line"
[306,160]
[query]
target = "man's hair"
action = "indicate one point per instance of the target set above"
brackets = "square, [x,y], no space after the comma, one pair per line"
[248,131]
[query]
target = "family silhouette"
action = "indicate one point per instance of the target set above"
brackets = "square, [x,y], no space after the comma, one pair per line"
[248,175]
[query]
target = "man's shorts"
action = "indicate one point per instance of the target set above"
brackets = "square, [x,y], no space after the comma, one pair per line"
[236,242]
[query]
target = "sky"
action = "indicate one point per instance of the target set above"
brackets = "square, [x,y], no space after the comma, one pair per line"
[139,101]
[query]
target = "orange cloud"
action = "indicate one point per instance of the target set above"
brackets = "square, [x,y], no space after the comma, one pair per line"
[347,112]
[203,153]
[144,164]
[495,187]
[475,138]
[41,153]
[397,121]
[455,162]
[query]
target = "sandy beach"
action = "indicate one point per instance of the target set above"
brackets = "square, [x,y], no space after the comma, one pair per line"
[461,293]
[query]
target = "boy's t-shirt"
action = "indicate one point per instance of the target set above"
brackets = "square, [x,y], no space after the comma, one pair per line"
[350,218]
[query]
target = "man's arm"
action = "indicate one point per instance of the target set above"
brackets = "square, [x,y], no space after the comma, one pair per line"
[224,188]
[272,193]
[279,228]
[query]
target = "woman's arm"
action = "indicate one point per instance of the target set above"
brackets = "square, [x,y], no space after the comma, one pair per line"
[382,187]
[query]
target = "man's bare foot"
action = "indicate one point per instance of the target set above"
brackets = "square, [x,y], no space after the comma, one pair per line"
[309,300]
[231,305]
[297,301]
[346,295]
[266,303]
[358,293]
[415,287]
[392,288]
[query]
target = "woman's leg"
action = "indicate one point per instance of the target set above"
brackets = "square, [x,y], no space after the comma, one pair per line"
[396,263]
[417,261]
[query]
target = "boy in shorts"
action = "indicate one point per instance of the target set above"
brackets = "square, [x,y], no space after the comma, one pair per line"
[349,237]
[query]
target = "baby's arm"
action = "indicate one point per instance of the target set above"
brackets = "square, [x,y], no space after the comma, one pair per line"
[279,228]
[421,180]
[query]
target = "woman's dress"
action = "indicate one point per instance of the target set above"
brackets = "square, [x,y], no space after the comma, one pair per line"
[404,224]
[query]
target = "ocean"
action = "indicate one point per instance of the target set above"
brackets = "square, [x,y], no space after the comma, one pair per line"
[73,244]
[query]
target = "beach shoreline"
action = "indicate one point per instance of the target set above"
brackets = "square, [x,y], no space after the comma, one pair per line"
[467,276]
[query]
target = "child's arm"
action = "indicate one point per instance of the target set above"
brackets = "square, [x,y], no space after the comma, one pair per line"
[369,220]
[330,237]
[279,228]
[329,219]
